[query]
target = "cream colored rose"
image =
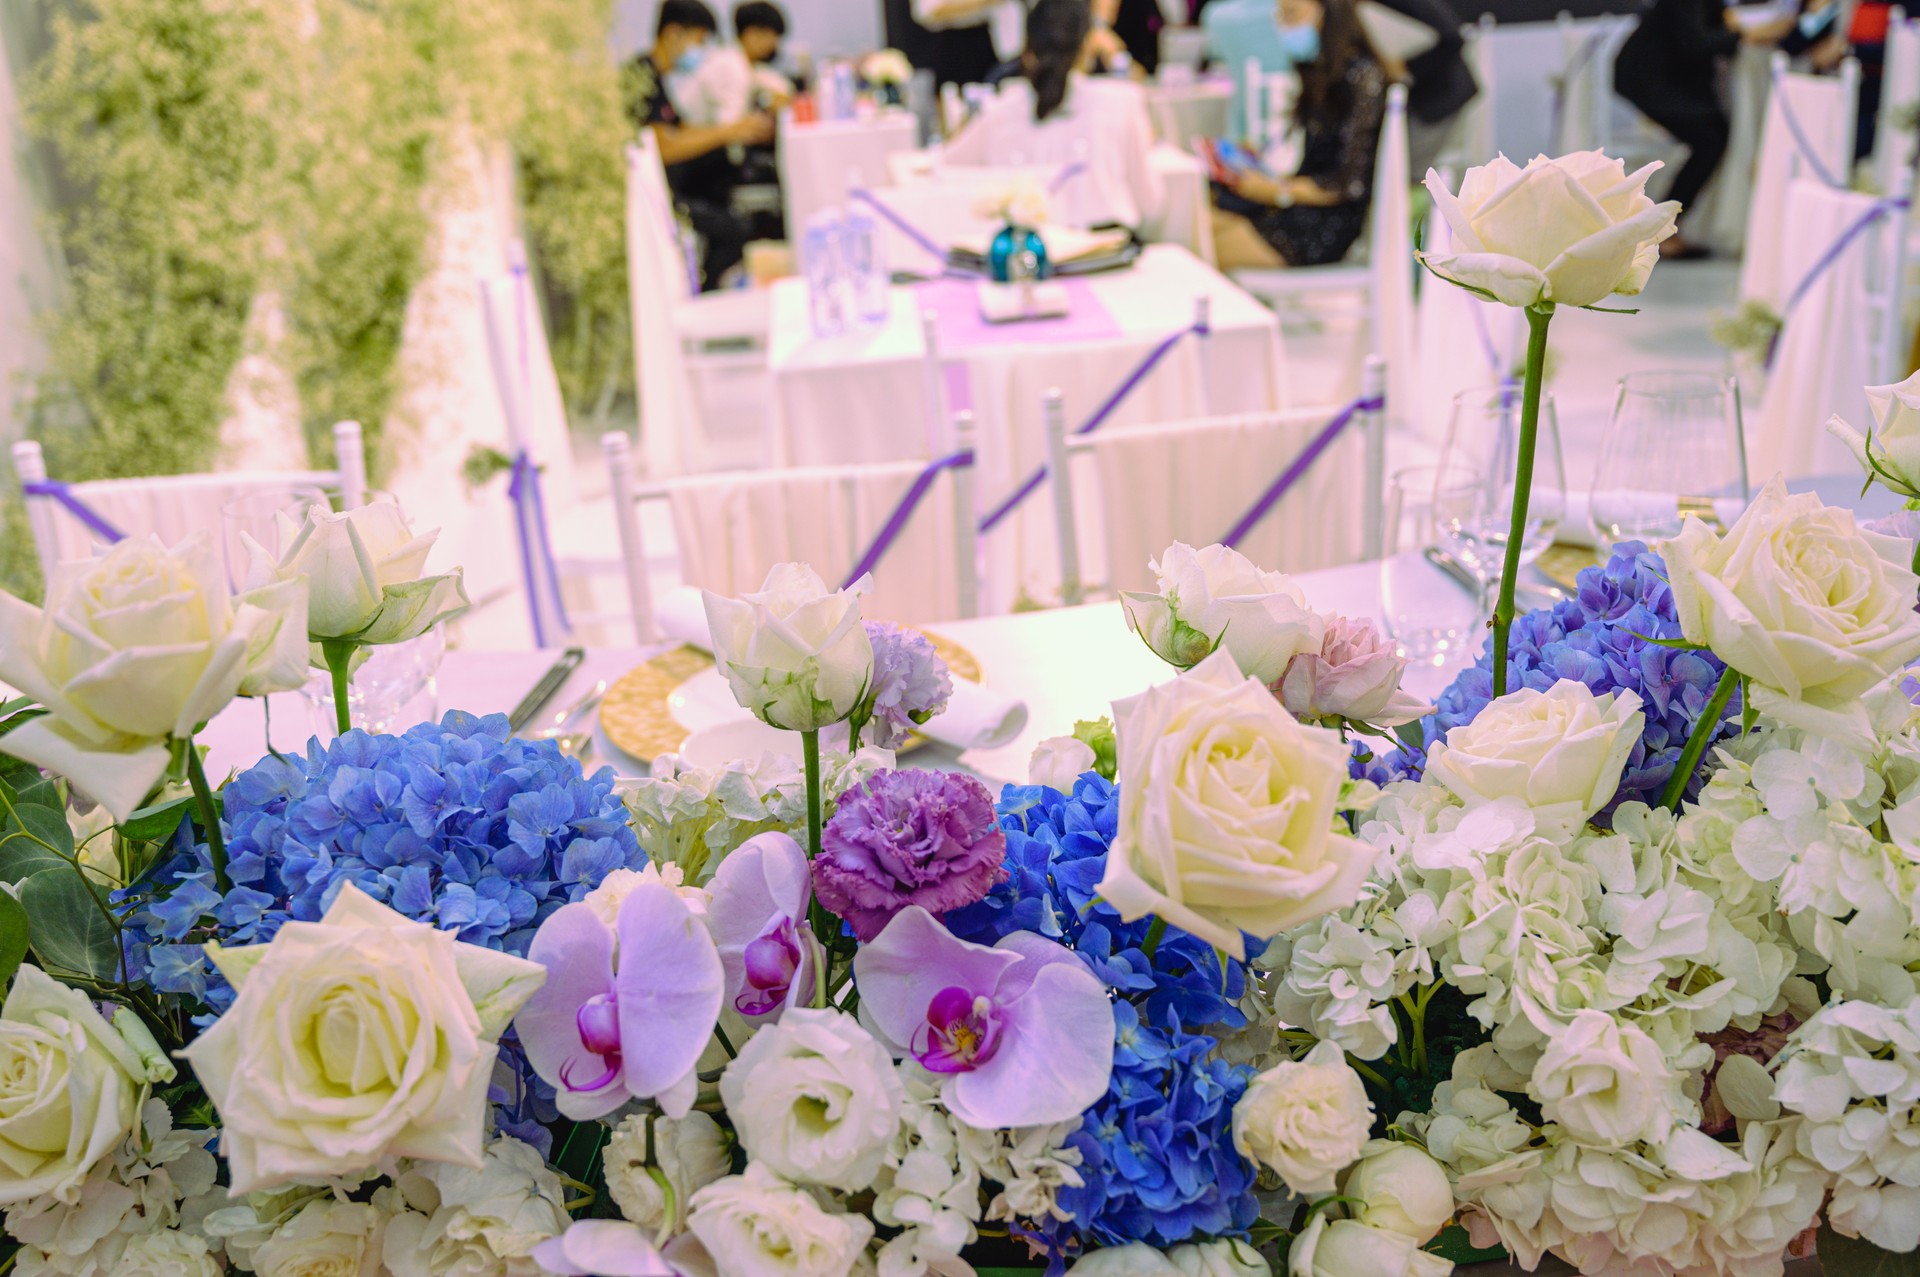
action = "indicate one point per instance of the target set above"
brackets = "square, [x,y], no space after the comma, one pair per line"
[328,1238]
[795,653]
[757,1225]
[1401,1189]
[1226,1258]
[168,1252]
[1560,752]
[1059,762]
[1607,1082]
[355,1040]
[70,1089]
[138,644]
[1572,230]
[364,569]
[1813,609]
[472,1220]
[1354,675]
[1348,1248]
[815,1099]
[1890,453]
[1227,811]
[688,1153]
[1216,598]
[1307,1119]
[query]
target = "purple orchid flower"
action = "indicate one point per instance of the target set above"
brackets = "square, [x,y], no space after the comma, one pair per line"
[627,1009]
[1022,1032]
[758,918]
[602,1248]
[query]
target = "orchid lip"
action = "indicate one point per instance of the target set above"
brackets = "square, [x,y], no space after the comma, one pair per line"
[771,960]
[613,1071]
[962,1032]
[598,1021]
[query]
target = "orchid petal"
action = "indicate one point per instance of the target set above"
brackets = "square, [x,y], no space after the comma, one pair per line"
[577,950]
[766,876]
[1054,1060]
[669,985]
[900,971]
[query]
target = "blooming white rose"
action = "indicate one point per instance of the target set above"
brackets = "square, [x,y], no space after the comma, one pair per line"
[477,1221]
[1215,597]
[1348,1248]
[688,1152]
[73,1088]
[1810,607]
[1402,1189]
[1307,1119]
[1227,1258]
[168,1253]
[795,653]
[328,1238]
[1059,761]
[364,574]
[1606,1082]
[135,645]
[355,1040]
[756,1225]
[1890,452]
[1227,810]
[1354,675]
[815,1099]
[1560,752]
[1571,230]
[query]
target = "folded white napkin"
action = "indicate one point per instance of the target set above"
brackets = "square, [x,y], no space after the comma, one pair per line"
[975,718]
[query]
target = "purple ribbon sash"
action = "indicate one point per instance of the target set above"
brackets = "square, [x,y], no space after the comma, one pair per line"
[530,525]
[896,221]
[1879,209]
[1298,468]
[1800,138]
[92,518]
[897,521]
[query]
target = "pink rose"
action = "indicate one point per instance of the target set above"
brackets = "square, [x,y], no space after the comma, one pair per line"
[1355,675]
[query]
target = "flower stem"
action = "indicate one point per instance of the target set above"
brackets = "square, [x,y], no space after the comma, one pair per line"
[823,922]
[1703,729]
[209,817]
[1155,929]
[339,656]
[1538,317]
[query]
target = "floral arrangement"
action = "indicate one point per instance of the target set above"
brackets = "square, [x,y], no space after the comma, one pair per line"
[887,67]
[1024,203]
[1616,965]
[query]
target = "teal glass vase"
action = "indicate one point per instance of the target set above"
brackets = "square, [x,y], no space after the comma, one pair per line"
[1018,253]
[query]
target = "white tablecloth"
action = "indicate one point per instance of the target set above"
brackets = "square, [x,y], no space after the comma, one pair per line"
[1182,112]
[817,159]
[863,396]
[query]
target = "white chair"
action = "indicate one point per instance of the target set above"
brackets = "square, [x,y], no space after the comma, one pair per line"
[732,527]
[168,506]
[1476,140]
[1895,135]
[1584,103]
[1808,134]
[1197,481]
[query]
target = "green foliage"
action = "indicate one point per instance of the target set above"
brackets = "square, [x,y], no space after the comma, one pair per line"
[13,937]
[1750,329]
[74,932]
[1851,1257]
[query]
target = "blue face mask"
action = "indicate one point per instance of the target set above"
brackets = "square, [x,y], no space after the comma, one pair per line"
[690,59]
[1300,43]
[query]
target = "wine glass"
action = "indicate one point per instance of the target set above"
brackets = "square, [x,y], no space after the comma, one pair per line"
[1434,616]
[255,517]
[1673,447]
[1483,438]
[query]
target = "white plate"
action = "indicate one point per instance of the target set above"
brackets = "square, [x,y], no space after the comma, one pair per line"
[704,701]
[737,741]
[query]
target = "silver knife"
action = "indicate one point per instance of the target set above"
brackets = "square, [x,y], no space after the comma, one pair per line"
[551,682]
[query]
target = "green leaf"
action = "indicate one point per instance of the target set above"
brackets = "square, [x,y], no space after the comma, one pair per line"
[26,783]
[32,837]
[70,933]
[152,824]
[1455,1244]
[13,936]
[1852,1257]
[1678,645]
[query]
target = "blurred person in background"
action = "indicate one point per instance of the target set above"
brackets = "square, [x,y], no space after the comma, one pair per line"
[1312,217]
[1238,31]
[947,37]
[1439,82]
[700,173]
[1127,34]
[760,27]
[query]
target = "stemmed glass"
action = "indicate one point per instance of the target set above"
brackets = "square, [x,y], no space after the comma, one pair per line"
[256,517]
[1432,620]
[1674,446]
[1483,439]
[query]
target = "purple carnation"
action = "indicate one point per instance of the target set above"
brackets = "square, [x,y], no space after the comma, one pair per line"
[905,838]
[910,682]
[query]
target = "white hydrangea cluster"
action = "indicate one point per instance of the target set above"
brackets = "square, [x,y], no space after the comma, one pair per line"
[457,1221]
[688,1153]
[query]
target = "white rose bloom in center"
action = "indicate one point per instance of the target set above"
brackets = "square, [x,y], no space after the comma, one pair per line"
[1307,1119]
[1216,598]
[328,1238]
[815,1099]
[1560,752]
[364,569]
[795,653]
[756,1225]
[1606,1082]
[463,1220]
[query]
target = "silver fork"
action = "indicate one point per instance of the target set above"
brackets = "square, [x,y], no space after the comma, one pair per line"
[576,742]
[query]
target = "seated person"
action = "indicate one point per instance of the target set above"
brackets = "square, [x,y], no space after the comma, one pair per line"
[759,27]
[1313,217]
[1059,115]
[699,172]
[1236,31]
[1439,81]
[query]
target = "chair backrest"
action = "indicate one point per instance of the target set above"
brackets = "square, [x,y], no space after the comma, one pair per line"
[1195,481]
[1583,97]
[169,506]
[657,280]
[1475,138]
[1808,134]
[732,527]
[1896,133]
[1390,254]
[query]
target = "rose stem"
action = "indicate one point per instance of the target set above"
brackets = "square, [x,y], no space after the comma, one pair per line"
[209,816]
[1703,730]
[1155,929]
[339,655]
[1538,316]
[823,927]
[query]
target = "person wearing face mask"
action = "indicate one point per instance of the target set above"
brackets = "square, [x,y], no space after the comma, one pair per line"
[1312,217]
[699,172]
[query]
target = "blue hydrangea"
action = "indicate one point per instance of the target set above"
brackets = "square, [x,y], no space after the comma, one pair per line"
[1159,1162]
[1599,637]
[454,823]
[1056,855]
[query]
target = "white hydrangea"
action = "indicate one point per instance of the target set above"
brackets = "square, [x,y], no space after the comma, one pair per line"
[688,1154]
[927,1188]
[1031,1164]
[168,1253]
[458,1221]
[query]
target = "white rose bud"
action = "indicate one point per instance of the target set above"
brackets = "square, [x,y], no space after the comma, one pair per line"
[1572,230]
[1216,597]
[1348,1248]
[1354,675]
[756,1225]
[1059,761]
[1607,1082]
[1307,1119]
[1401,1189]
[1227,810]
[365,572]
[1560,752]
[1891,454]
[795,653]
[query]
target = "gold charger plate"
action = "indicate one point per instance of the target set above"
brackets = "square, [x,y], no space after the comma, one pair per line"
[1562,564]
[637,718]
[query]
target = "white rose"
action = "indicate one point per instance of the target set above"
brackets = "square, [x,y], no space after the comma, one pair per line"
[1059,761]
[1813,609]
[1606,1082]
[1348,1248]
[1227,811]
[1209,1259]
[1401,1189]
[72,1089]
[1216,597]
[756,1225]
[795,653]
[136,645]
[364,572]
[1560,752]
[815,1099]
[477,1221]
[1890,452]
[355,1040]
[1571,230]
[689,1153]
[328,1238]
[1307,1119]
[168,1253]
